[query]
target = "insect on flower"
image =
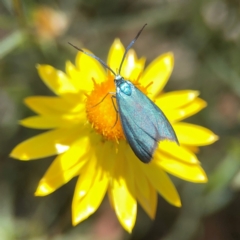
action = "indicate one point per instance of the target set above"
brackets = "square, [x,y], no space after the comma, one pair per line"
[97,118]
[143,122]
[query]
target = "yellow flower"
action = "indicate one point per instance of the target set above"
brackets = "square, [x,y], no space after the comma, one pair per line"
[88,146]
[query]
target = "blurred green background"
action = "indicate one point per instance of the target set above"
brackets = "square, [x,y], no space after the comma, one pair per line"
[205,39]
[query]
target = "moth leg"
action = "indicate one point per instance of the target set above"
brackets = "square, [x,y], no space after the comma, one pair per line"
[100,101]
[113,96]
[103,99]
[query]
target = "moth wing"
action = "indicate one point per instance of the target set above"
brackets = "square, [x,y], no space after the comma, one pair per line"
[143,123]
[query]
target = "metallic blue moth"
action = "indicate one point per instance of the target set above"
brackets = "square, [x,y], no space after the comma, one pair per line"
[144,124]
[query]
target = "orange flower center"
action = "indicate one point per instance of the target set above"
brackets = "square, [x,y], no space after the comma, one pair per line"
[101,110]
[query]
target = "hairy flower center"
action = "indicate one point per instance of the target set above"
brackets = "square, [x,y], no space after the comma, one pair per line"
[101,112]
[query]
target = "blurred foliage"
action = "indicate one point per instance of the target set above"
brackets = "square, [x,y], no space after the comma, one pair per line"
[204,36]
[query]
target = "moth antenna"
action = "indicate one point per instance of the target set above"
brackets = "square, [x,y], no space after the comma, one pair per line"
[129,46]
[95,57]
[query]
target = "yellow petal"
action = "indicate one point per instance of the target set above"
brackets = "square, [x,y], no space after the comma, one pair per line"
[56,80]
[52,105]
[90,69]
[146,195]
[77,78]
[85,180]
[115,55]
[97,160]
[191,134]
[122,193]
[188,172]
[162,183]
[92,200]
[92,184]
[64,167]
[48,122]
[191,148]
[46,144]
[138,69]
[158,72]
[158,179]
[47,186]
[132,67]
[178,152]
[174,115]
[176,99]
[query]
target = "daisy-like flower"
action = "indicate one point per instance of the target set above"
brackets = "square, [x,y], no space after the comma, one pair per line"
[81,134]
